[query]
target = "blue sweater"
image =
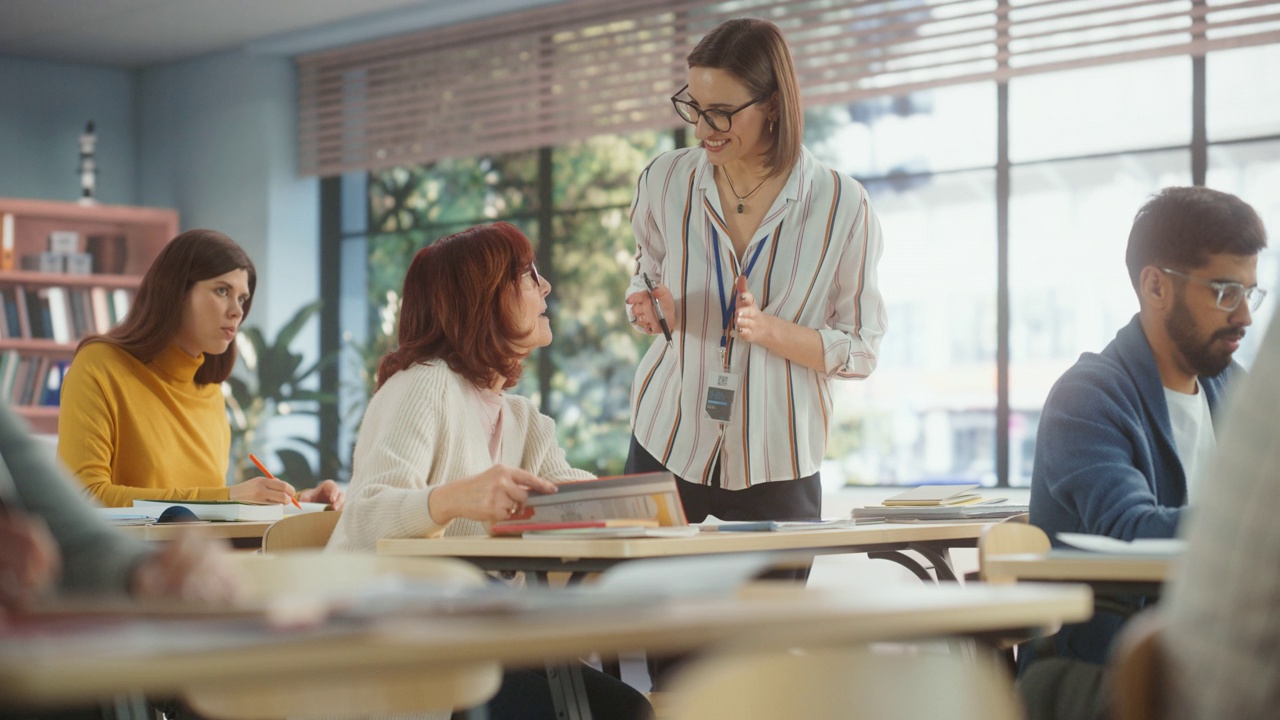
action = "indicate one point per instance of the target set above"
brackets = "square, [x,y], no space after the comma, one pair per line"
[1106,463]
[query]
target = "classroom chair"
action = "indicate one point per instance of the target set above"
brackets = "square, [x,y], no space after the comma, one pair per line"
[352,693]
[300,532]
[1011,536]
[841,684]
[1136,687]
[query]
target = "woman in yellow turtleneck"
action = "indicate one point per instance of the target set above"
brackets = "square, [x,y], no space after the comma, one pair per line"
[143,417]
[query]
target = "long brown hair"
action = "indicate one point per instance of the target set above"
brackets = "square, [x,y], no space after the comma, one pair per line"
[155,316]
[459,305]
[755,52]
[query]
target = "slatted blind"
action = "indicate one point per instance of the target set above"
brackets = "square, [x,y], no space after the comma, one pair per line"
[586,67]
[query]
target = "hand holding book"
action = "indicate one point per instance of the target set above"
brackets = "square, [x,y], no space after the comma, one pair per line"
[498,493]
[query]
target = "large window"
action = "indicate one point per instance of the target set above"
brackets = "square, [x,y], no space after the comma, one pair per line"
[1083,149]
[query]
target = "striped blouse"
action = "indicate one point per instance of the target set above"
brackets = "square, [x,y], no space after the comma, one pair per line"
[817,269]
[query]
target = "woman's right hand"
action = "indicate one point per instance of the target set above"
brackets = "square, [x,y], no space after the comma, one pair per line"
[30,562]
[646,320]
[495,494]
[262,490]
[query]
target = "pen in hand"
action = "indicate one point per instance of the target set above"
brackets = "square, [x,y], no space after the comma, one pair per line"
[267,473]
[657,309]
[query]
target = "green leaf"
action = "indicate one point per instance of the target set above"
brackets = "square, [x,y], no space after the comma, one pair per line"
[297,470]
[290,331]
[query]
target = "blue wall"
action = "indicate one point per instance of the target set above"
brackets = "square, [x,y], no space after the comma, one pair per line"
[212,137]
[43,109]
[218,143]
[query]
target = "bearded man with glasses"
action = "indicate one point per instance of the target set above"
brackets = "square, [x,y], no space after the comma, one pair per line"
[1124,434]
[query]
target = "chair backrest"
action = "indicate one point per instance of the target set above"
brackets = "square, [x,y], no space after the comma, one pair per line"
[1136,686]
[299,532]
[315,572]
[1011,536]
[352,692]
[841,683]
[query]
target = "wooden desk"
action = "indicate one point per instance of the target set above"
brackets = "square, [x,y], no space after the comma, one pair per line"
[91,663]
[1106,574]
[539,556]
[246,530]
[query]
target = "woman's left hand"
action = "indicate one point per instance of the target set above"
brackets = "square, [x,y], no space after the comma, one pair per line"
[751,325]
[326,492]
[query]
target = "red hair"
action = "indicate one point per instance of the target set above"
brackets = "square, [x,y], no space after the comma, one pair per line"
[459,306]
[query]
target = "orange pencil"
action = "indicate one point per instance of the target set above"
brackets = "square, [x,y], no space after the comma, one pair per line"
[267,472]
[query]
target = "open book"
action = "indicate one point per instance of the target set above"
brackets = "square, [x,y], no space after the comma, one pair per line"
[213,509]
[646,498]
[933,495]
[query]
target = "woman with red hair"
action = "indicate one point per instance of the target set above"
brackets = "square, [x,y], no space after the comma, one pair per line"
[442,449]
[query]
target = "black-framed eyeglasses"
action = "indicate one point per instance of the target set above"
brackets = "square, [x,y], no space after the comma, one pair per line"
[719,120]
[1230,294]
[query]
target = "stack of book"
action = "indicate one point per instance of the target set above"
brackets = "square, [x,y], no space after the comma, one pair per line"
[939,503]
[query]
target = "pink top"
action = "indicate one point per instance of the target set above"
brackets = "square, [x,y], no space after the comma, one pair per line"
[487,404]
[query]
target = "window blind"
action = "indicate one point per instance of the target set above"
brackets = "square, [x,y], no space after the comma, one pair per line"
[584,67]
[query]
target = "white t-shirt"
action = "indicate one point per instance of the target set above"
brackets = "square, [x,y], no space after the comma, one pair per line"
[1192,434]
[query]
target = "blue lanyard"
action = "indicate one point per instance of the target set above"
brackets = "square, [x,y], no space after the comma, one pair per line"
[726,309]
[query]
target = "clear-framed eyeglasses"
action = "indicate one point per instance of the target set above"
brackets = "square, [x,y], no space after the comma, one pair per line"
[1230,294]
[532,274]
[718,120]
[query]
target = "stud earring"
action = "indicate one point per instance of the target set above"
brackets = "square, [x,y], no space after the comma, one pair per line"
[772,125]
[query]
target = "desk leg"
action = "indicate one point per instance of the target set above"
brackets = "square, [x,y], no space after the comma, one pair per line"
[905,561]
[568,692]
[941,559]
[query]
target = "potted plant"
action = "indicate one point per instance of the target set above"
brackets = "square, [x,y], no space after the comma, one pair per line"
[268,383]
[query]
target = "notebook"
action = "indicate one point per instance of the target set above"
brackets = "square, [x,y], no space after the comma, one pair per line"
[929,495]
[214,509]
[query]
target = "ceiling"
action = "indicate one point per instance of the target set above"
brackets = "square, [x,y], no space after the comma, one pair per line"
[140,33]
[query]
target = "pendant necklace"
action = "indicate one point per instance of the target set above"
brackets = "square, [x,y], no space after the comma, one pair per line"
[742,198]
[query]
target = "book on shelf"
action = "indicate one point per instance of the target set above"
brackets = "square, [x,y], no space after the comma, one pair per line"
[928,495]
[64,242]
[45,262]
[221,510]
[645,496]
[109,252]
[59,314]
[6,241]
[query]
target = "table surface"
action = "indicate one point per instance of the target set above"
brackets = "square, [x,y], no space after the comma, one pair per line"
[218,530]
[87,661]
[862,538]
[1059,566]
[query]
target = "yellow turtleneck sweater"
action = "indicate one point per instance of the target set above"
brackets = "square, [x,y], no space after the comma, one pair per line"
[130,430]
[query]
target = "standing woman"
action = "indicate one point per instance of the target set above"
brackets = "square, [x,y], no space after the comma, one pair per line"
[143,415]
[764,261]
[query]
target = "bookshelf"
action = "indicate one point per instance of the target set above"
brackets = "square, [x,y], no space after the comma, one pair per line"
[66,271]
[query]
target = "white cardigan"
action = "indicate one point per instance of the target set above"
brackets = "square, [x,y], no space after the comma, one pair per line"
[419,432]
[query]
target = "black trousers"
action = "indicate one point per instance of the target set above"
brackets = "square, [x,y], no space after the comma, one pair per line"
[526,695]
[799,499]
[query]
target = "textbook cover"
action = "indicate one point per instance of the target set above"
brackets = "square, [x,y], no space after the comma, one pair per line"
[645,496]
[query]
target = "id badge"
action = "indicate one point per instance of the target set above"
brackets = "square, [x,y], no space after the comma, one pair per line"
[722,395]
